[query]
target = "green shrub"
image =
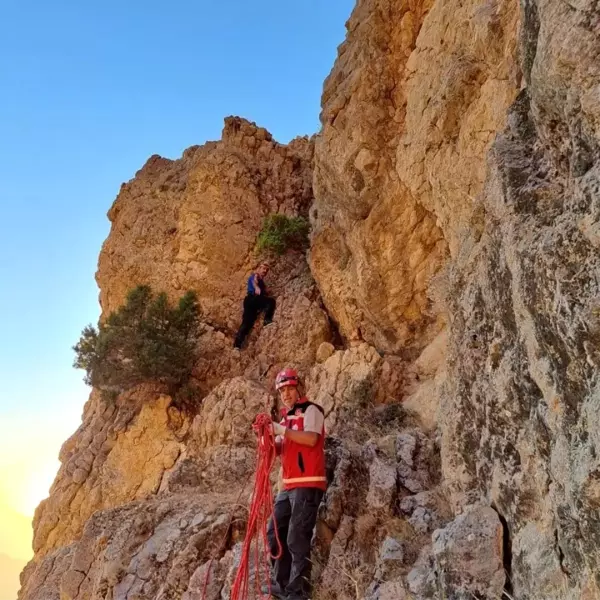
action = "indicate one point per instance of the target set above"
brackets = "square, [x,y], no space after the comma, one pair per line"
[280,233]
[144,340]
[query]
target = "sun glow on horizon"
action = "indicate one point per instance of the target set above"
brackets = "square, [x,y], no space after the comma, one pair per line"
[25,480]
[29,462]
[17,534]
[37,487]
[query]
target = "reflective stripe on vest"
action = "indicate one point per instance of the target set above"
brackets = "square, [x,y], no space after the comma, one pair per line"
[305,479]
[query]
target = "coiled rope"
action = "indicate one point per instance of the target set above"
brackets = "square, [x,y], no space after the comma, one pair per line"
[261,509]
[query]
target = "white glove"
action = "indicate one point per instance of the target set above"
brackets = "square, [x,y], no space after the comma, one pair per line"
[278,429]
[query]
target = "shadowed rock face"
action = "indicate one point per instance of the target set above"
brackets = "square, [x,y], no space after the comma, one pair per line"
[520,420]
[454,194]
[515,202]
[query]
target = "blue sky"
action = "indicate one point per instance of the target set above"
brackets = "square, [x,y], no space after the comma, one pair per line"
[89,90]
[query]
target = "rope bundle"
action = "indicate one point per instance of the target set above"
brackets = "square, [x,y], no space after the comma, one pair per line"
[261,509]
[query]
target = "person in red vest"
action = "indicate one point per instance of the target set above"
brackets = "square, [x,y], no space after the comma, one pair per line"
[300,440]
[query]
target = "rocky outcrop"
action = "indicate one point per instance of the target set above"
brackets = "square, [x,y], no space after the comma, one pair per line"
[150,549]
[468,555]
[524,296]
[162,545]
[159,515]
[300,327]
[192,223]
[120,453]
[499,149]
[454,197]
[411,107]
[142,443]
[220,450]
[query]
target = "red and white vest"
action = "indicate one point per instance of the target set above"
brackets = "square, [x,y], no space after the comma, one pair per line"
[303,466]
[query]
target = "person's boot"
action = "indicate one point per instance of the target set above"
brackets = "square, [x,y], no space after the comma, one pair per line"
[276,591]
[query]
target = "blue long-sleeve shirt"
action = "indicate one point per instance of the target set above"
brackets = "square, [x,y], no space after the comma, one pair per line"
[261,285]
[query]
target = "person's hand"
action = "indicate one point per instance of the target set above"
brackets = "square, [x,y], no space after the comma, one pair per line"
[278,429]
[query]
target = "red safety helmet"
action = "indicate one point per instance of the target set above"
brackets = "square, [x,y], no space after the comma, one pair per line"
[286,377]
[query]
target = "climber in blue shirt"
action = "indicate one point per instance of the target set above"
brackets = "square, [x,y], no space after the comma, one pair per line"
[256,301]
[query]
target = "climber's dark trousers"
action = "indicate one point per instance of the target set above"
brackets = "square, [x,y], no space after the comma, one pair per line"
[253,306]
[295,513]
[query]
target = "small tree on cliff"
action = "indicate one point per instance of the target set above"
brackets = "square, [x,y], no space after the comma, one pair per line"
[280,233]
[144,340]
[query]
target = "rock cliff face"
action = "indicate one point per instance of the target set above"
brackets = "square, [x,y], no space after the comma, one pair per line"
[524,298]
[447,319]
[192,222]
[414,101]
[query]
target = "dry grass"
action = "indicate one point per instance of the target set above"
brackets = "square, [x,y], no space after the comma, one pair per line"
[366,528]
[364,420]
[505,595]
[343,580]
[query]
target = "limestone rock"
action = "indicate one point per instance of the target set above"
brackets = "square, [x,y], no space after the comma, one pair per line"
[339,562]
[220,453]
[324,351]
[408,112]
[388,583]
[234,556]
[382,485]
[192,223]
[417,469]
[426,511]
[346,380]
[40,580]
[299,328]
[211,574]
[346,473]
[148,549]
[519,429]
[227,414]
[469,557]
[422,577]
[424,382]
[389,590]
[392,555]
[119,454]
[456,229]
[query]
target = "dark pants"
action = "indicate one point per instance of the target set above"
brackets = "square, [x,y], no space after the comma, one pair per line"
[253,306]
[295,513]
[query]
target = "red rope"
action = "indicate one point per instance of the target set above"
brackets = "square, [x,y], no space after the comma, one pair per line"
[261,509]
[223,539]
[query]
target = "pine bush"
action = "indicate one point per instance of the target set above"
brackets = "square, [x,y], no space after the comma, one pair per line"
[145,340]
